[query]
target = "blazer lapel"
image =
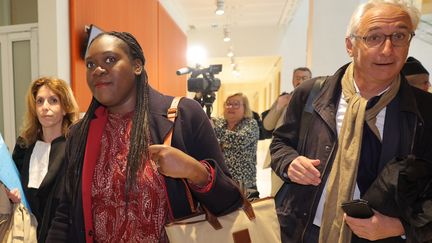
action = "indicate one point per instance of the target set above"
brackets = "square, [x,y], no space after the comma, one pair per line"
[159,123]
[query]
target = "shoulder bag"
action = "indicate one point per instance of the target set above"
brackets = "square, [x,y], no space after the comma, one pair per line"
[254,222]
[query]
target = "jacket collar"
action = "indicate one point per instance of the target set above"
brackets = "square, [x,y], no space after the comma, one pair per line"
[159,123]
[327,101]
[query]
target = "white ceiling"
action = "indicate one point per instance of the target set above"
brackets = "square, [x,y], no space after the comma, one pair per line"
[196,17]
[201,13]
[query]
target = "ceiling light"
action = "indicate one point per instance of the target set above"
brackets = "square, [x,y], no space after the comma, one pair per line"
[230,52]
[233,62]
[226,35]
[236,70]
[196,55]
[219,7]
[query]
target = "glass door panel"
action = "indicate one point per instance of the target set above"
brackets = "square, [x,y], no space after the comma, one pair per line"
[22,77]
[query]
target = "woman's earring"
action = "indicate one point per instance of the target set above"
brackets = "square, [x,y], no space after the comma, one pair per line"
[138,69]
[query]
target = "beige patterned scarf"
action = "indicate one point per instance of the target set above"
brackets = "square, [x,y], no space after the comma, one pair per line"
[342,178]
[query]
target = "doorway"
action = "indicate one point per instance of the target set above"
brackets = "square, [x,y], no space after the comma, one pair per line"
[18,66]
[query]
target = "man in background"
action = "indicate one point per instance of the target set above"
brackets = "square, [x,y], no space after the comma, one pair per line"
[416,74]
[273,118]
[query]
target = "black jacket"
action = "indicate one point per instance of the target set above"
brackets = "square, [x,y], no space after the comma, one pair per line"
[44,200]
[407,129]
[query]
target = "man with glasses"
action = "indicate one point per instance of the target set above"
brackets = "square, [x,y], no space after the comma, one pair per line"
[363,117]
[274,117]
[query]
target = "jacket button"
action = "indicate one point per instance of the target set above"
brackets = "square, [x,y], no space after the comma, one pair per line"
[327,148]
[90,233]
[304,214]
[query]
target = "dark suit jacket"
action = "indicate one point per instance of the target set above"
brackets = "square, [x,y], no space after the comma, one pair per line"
[192,134]
[407,129]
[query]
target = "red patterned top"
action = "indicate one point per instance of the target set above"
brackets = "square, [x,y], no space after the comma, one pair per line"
[144,218]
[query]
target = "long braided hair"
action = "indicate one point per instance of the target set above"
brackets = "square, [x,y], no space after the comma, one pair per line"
[140,133]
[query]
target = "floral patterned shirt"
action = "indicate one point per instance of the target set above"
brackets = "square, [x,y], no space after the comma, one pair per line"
[239,147]
[144,218]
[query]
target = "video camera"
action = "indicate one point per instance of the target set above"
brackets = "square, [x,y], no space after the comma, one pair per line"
[202,81]
[205,84]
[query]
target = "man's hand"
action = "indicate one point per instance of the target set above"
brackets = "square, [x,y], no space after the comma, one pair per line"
[283,101]
[302,171]
[376,227]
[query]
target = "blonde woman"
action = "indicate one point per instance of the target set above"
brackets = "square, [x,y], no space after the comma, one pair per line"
[40,149]
[238,134]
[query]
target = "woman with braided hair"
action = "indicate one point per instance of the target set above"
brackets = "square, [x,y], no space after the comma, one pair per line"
[122,185]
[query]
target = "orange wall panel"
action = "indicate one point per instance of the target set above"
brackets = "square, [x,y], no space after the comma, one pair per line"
[172,55]
[147,21]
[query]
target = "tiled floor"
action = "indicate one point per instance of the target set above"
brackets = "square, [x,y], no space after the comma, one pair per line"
[263,175]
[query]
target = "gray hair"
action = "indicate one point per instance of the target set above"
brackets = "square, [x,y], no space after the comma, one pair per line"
[406,6]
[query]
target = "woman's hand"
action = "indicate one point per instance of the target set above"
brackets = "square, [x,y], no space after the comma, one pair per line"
[14,195]
[175,163]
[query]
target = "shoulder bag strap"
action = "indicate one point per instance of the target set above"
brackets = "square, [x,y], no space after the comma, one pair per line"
[172,115]
[308,110]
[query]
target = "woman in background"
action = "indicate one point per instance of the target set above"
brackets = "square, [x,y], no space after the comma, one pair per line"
[40,149]
[238,135]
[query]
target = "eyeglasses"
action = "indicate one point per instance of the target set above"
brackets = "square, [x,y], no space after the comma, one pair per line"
[234,105]
[302,78]
[401,38]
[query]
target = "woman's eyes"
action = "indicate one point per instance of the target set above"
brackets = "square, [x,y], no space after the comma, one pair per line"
[108,60]
[51,101]
[90,65]
[39,101]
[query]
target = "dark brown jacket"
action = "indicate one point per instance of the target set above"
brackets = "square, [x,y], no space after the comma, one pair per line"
[407,129]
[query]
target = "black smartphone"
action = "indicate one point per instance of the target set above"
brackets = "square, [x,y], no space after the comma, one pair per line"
[358,208]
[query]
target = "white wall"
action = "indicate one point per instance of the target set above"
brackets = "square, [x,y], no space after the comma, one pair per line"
[293,47]
[54,45]
[330,20]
